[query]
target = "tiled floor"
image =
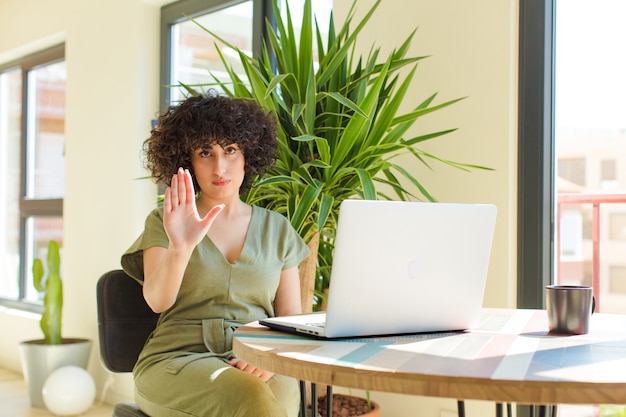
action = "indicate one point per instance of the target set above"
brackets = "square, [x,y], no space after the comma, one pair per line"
[14,400]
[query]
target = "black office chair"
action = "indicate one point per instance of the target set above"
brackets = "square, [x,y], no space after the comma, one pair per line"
[124,323]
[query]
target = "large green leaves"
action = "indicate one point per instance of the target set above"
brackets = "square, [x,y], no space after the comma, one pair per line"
[340,125]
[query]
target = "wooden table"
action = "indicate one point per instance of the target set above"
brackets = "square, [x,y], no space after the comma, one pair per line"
[508,358]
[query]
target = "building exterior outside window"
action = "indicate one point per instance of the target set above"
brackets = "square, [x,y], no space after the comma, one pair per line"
[590,138]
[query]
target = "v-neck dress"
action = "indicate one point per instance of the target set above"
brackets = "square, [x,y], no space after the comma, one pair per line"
[183,368]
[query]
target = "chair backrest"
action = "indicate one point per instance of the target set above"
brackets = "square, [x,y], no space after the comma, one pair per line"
[124,320]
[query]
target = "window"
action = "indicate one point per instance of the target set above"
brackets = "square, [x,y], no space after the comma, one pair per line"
[608,170]
[190,55]
[608,174]
[537,104]
[572,170]
[194,55]
[32,168]
[617,227]
[535,152]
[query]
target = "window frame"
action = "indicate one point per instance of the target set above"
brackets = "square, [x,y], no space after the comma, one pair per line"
[30,207]
[536,205]
[536,151]
[178,12]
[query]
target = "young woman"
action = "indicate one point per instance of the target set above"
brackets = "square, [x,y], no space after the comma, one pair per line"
[209,262]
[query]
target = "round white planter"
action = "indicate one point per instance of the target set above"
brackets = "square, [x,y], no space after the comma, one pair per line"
[39,360]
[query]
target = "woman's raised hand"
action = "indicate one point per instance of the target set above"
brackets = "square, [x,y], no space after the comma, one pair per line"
[183,225]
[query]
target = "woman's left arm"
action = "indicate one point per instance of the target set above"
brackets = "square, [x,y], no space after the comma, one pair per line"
[287,300]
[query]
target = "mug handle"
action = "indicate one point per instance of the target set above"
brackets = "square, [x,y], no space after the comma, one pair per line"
[593,304]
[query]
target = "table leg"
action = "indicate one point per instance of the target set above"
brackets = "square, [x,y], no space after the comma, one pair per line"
[460,405]
[543,410]
[313,400]
[329,400]
[303,399]
[509,410]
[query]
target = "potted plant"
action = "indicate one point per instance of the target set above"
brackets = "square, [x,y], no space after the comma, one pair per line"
[349,405]
[42,356]
[339,127]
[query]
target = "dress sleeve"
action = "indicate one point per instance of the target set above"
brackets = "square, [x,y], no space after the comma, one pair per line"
[295,249]
[152,235]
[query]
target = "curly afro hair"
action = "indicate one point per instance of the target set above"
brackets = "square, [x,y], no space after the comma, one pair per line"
[201,121]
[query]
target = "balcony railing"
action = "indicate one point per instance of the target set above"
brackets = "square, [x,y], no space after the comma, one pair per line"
[595,200]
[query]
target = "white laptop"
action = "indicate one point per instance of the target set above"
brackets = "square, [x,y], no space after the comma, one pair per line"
[403,267]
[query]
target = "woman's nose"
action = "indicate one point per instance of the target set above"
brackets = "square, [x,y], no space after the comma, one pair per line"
[220,164]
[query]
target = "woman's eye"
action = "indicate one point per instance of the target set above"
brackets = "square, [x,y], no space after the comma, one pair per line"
[230,150]
[204,153]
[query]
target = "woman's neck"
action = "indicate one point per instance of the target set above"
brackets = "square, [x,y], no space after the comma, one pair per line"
[232,207]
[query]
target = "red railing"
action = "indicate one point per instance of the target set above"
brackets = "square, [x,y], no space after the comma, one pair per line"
[595,200]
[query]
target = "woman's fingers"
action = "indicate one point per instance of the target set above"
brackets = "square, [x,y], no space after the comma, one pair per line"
[212,214]
[246,367]
[182,186]
[189,192]
[182,191]
[167,201]
[174,191]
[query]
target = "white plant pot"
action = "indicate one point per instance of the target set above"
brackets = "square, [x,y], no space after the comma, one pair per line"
[39,360]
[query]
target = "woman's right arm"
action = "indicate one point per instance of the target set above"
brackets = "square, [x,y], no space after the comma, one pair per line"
[164,267]
[163,274]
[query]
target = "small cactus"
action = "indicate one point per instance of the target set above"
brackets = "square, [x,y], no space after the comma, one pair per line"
[53,298]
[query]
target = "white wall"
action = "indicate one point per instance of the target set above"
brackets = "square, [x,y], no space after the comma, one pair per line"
[112,53]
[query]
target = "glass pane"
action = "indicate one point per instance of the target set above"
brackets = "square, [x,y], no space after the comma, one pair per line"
[193,49]
[590,132]
[46,132]
[40,231]
[10,132]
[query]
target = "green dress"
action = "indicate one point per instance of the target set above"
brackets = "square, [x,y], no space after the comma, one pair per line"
[183,368]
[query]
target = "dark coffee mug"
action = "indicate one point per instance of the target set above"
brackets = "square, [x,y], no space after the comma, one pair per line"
[569,308]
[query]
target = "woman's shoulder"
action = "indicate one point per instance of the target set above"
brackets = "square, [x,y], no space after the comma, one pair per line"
[265,215]
[154,221]
[276,230]
[156,213]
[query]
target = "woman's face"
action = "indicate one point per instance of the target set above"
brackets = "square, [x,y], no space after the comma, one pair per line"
[219,170]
